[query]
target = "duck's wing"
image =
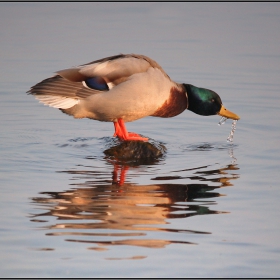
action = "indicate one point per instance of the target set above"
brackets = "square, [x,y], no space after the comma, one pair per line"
[70,86]
[114,69]
[59,92]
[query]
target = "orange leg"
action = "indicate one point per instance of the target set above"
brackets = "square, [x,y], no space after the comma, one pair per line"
[121,132]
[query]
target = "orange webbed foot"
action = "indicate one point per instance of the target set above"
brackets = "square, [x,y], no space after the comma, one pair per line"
[135,136]
[123,134]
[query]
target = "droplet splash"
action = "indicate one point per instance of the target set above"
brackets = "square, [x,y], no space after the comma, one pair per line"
[233,127]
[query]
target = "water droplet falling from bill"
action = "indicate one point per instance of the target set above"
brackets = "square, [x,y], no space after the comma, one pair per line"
[233,127]
[222,120]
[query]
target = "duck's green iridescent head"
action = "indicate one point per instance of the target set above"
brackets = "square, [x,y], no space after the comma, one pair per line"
[206,102]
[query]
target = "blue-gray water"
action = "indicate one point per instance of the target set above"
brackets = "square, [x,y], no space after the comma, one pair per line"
[63,212]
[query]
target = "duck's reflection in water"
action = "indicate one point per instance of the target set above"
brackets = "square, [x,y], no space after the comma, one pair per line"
[120,213]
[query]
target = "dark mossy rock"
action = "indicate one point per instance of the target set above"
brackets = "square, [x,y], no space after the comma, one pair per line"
[136,152]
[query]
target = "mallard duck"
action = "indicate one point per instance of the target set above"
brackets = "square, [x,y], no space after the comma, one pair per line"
[124,88]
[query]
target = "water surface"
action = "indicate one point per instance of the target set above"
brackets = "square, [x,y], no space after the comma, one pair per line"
[207,208]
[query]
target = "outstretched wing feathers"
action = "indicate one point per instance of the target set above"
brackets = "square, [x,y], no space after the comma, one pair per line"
[59,102]
[61,93]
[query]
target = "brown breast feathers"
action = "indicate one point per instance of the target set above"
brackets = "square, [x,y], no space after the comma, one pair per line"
[175,105]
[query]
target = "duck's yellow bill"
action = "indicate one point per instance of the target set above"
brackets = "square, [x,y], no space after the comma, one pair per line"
[228,114]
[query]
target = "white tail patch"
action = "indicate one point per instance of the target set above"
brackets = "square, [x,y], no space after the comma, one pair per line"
[60,102]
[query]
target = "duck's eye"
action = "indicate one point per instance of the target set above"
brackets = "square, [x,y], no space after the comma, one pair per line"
[212,100]
[97,83]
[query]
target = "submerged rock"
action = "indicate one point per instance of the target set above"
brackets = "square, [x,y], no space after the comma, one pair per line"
[136,152]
